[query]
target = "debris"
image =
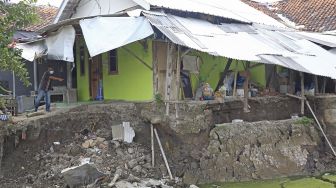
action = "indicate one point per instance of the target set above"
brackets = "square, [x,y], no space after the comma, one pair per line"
[193,186]
[57,143]
[81,175]
[115,178]
[123,132]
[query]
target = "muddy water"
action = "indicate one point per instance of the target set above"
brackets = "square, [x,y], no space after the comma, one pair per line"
[324,181]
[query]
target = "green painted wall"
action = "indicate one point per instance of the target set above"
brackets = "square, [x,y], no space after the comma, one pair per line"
[212,66]
[134,81]
[83,92]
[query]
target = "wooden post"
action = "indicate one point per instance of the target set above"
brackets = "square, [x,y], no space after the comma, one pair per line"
[152,144]
[316,84]
[302,93]
[178,79]
[246,84]
[35,75]
[235,80]
[155,69]
[169,70]
[163,154]
[324,85]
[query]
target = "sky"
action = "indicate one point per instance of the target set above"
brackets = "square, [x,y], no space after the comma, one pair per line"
[55,3]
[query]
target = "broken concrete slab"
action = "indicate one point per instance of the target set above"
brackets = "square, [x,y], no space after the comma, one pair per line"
[81,175]
[123,132]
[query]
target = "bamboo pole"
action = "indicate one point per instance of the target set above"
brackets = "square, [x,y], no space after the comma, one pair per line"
[163,154]
[152,144]
[318,123]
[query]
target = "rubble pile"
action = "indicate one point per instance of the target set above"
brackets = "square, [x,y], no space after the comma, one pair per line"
[89,160]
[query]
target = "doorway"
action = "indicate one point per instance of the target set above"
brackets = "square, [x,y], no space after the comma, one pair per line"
[96,77]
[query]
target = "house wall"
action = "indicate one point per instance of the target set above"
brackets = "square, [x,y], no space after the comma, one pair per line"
[134,80]
[212,66]
[6,78]
[83,92]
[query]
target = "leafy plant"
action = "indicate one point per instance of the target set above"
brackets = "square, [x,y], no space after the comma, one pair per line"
[14,16]
[304,121]
[158,98]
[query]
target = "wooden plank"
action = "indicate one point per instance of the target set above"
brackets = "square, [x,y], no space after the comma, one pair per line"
[155,69]
[226,70]
[163,154]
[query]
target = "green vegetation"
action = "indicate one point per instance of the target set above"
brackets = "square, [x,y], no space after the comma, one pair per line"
[304,121]
[329,177]
[253,184]
[308,182]
[12,18]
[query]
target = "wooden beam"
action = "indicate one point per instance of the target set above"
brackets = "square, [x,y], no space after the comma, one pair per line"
[226,69]
[178,72]
[137,57]
[185,53]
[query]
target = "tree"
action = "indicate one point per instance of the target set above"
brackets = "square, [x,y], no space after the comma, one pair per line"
[14,17]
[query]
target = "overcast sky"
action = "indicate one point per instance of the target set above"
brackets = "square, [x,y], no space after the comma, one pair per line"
[55,3]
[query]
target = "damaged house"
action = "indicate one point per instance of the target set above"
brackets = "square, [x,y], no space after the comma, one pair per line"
[145,49]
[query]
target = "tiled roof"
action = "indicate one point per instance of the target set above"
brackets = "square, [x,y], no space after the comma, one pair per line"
[314,15]
[46,16]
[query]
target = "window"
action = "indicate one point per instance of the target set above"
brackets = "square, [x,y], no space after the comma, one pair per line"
[82,60]
[113,62]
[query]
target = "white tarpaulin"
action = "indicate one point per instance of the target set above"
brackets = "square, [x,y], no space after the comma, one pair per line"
[60,44]
[31,51]
[103,34]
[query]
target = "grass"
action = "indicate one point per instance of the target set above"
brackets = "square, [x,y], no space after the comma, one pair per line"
[330,177]
[252,184]
[304,121]
[308,182]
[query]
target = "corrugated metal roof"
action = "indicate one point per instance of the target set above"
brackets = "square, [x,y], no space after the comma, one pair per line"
[232,9]
[261,45]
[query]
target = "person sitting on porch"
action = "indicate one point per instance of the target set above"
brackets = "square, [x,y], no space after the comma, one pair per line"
[44,88]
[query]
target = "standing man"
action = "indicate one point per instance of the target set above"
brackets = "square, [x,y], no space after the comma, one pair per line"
[45,87]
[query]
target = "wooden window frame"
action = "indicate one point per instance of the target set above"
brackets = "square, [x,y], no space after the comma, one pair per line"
[113,72]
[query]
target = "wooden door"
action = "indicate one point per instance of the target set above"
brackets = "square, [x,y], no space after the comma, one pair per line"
[95,75]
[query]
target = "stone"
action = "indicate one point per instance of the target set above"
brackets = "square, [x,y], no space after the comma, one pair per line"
[132,163]
[124,184]
[156,120]
[102,146]
[86,144]
[130,150]
[137,169]
[100,139]
[193,186]
[81,175]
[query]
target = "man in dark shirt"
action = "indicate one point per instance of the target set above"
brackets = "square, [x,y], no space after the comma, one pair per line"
[45,87]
